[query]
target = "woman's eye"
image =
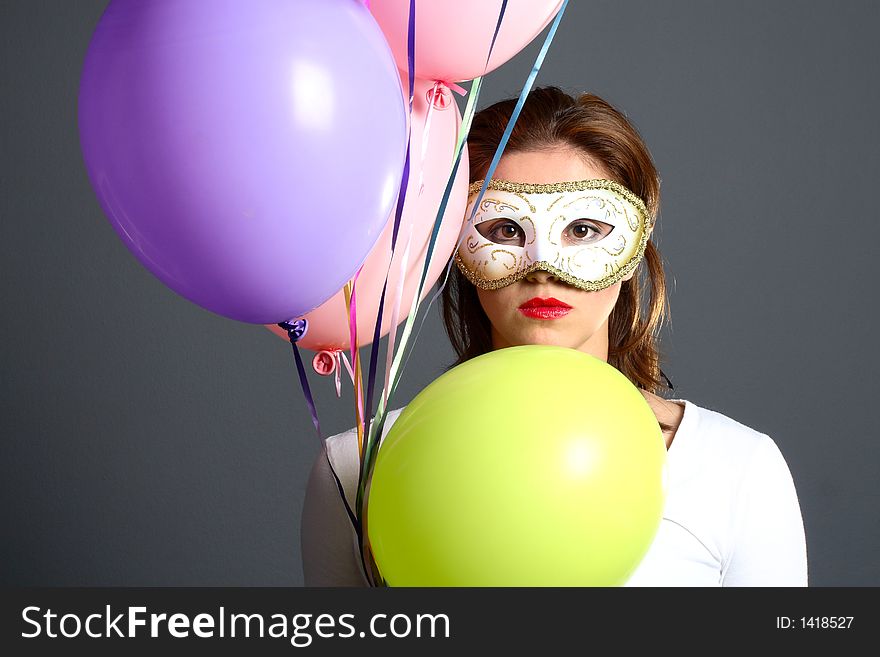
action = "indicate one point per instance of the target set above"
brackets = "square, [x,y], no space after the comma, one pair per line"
[507,231]
[502,231]
[583,230]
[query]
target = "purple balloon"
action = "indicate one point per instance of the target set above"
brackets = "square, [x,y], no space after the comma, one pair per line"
[248,152]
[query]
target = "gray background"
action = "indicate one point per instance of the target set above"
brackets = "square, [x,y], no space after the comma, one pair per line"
[146,441]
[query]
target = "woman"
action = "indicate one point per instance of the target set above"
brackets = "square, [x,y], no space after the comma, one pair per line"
[592,282]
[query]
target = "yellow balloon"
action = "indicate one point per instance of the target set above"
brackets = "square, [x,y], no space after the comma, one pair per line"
[527,466]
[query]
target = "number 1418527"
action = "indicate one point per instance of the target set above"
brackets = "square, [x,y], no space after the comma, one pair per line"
[814,622]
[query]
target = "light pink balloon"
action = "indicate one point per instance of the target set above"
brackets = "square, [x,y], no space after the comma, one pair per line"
[452,37]
[328,327]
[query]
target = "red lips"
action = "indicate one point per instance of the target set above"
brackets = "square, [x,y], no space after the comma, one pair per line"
[538,302]
[539,308]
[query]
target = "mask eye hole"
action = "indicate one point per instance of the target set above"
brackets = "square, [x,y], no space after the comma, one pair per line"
[586,231]
[502,231]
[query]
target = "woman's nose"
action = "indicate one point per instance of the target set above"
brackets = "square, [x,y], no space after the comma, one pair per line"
[541,276]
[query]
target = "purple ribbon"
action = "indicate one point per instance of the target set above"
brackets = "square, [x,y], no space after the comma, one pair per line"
[295,331]
[398,214]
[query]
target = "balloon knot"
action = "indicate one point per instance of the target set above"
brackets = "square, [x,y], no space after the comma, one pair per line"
[324,362]
[296,329]
[439,96]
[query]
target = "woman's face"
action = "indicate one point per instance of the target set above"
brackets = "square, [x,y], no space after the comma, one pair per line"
[516,311]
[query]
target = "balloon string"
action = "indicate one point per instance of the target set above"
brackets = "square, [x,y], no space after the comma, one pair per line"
[395,314]
[347,364]
[426,131]
[495,35]
[365,447]
[355,523]
[307,392]
[377,329]
[351,308]
[398,214]
[461,91]
[295,330]
[527,87]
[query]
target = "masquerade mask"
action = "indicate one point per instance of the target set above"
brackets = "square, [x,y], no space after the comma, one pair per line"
[589,233]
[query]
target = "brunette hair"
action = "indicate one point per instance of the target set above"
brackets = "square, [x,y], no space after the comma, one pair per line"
[551,118]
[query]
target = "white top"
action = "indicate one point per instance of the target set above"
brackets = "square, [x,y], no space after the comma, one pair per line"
[731,516]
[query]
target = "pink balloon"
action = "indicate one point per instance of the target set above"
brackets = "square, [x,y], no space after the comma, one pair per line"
[328,327]
[452,37]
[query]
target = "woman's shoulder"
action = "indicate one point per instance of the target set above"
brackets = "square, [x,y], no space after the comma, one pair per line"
[709,437]
[714,424]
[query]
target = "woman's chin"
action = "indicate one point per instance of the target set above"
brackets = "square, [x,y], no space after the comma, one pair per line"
[549,337]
